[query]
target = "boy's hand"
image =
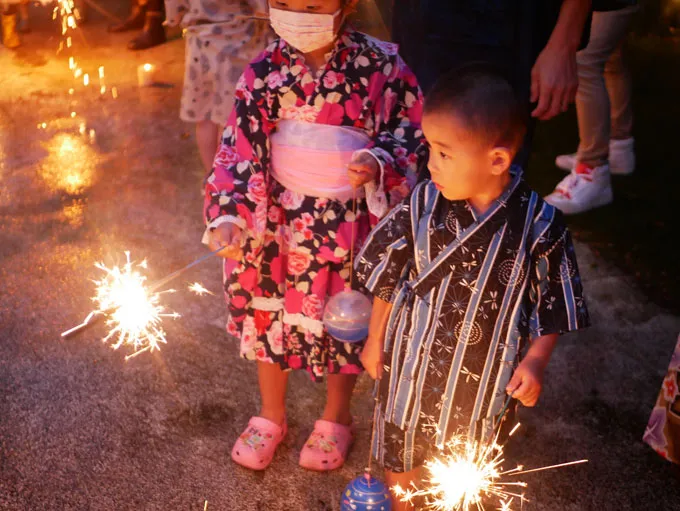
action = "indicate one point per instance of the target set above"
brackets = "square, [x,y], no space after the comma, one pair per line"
[527,381]
[372,358]
[362,169]
[226,235]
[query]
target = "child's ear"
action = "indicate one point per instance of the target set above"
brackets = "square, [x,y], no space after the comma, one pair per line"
[500,159]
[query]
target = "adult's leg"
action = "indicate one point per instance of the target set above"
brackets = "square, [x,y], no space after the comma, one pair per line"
[619,87]
[23,22]
[592,100]
[273,384]
[10,35]
[134,21]
[153,32]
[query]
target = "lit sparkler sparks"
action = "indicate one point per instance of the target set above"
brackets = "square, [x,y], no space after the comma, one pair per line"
[468,473]
[69,17]
[134,313]
[131,307]
[198,288]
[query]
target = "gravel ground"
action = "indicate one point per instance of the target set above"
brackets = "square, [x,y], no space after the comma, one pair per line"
[82,429]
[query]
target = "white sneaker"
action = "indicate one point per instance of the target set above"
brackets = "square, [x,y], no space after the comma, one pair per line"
[621,157]
[583,189]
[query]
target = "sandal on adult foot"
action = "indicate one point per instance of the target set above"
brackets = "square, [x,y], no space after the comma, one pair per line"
[327,446]
[256,446]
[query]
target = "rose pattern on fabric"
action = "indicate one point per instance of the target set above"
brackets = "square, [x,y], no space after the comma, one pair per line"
[296,248]
[663,429]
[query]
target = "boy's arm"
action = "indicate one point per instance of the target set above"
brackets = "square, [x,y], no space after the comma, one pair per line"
[372,354]
[527,381]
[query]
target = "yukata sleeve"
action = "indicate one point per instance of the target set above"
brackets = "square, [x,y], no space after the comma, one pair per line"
[386,253]
[399,142]
[557,304]
[235,188]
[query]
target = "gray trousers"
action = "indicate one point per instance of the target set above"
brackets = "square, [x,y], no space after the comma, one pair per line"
[603,100]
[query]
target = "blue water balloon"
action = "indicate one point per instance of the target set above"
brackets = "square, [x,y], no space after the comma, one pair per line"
[347,315]
[366,493]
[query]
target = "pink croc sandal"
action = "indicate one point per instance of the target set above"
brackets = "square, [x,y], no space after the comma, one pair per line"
[327,446]
[255,447]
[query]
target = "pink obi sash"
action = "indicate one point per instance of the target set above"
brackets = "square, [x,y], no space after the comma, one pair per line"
[312,159]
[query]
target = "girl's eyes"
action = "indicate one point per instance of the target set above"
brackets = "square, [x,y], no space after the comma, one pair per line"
[308,7]
[444,156]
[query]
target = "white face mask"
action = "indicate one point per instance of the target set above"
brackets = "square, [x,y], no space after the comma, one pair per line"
[305,31]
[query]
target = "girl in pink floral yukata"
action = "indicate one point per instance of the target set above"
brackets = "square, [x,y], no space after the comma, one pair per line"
[321,142]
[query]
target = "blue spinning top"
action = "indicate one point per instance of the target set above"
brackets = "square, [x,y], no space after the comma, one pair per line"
[365,493]
[347,315]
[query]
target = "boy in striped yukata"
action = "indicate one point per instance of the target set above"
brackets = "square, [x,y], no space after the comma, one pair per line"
[465,273]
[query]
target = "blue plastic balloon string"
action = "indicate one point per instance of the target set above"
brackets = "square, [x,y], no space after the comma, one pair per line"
[376,386]
[351,241]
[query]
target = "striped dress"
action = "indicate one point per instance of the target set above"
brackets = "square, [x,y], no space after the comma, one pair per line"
[468,292]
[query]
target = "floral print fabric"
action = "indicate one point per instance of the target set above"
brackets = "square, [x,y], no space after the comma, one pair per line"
[663,430]
[296,247]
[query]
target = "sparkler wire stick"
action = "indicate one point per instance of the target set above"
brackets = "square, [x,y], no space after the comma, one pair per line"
[165,280]
[504,409]
[96,316]
[540,469]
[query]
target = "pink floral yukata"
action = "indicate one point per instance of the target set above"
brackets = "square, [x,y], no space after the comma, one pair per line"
[297,247]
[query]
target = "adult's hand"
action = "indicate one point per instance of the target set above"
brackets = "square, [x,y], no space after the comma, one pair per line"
[554,81]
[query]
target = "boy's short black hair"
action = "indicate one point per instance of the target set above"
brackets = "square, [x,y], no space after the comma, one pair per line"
[479,95]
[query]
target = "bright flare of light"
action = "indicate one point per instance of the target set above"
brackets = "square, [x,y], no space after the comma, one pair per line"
[466,474]
[70,165]
[134,312]
[197,288]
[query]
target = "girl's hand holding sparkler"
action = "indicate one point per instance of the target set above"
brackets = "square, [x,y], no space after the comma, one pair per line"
[362,169]
[527,381]
[373,351]
[229,236]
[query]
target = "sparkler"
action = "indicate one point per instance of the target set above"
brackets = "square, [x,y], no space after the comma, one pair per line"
[133,311]
[132,308]
[468,472]
[198,288]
